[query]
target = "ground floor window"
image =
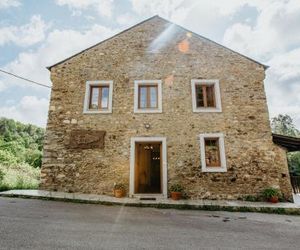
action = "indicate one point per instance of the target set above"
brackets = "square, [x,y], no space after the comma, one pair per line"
[212,152]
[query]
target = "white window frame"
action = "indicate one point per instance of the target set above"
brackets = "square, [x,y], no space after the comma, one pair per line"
[223,167]
[214,82]
[138,83]
[88,85]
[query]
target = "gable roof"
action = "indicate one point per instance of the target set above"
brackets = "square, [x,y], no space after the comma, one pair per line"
[156,16]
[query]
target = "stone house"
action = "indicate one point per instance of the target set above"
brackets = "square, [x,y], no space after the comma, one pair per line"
[155,105]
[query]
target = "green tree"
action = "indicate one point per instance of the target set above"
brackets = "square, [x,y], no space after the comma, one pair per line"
[7,158]
[284,125]
[20,143]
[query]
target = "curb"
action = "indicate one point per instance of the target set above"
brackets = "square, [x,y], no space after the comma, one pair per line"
[228,208]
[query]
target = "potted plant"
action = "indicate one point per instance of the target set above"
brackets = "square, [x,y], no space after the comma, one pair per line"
[271,194]
[176,191]
[119,190]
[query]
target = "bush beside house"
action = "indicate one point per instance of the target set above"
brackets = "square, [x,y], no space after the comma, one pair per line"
[20,155]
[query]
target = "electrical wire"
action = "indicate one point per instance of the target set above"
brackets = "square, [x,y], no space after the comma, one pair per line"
[25,79]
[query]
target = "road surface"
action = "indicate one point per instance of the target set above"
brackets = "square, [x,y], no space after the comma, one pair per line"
[38,224]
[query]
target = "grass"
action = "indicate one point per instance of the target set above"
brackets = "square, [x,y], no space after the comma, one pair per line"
[19,176]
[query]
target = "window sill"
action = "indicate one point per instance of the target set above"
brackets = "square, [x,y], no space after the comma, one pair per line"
[214,169]
[147,111]
[207,110]
[97,111]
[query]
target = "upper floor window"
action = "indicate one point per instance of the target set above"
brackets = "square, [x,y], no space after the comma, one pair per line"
[206,96]
[98,97]
[147,96]
[212,152]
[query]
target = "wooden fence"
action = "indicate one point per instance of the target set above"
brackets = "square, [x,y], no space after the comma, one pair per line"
[295,180]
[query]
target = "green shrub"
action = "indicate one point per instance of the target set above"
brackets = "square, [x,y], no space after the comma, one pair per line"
[6,157]
[252,198]
[120,186]
[19,176]
[270,192]
[176,188]
[1,176]
[34,158]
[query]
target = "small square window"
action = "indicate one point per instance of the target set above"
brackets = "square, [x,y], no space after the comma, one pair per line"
[98,97]
[147,96]
[212,153]
[206,96]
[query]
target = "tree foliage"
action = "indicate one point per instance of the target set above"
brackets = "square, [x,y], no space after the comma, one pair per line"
[20,143]
[284,125]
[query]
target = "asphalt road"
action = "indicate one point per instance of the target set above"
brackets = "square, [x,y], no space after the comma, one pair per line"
[37,224]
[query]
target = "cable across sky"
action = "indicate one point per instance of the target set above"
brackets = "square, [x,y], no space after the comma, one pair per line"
[25,79]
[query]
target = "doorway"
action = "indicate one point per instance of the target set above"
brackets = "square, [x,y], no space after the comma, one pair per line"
[148,168]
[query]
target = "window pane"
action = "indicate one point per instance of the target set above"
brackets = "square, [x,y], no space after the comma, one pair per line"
[94,98]
[212,152]
[153,97]
[104,99]
[199,96]
[143,97]
[210,92]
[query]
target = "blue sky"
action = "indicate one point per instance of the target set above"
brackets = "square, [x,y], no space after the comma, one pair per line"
[35,34]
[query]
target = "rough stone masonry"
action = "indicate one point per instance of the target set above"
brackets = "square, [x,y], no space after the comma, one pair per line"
[253,161]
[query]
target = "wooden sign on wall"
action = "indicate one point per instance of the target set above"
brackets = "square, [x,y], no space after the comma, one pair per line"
[86,139]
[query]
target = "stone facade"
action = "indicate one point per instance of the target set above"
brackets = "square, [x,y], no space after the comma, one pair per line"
[159,50]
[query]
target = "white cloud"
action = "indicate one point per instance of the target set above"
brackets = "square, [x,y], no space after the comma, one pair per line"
[275,40]
[175,10]
[25,35]
[2,86]
[126,19]
[29,110]
[276,29]
[205,17]
[283,85]
[58,45]
[103,7]
[4,4]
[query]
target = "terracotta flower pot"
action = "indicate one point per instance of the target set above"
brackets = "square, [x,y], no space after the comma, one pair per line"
[119,193]
[176,195]
[273,199]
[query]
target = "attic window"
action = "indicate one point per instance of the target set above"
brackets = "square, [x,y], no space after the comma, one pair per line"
[206,96]
[98,97]
[212,152]
[147,96]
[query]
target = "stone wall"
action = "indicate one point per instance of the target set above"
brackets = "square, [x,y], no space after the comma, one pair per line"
[253,161]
